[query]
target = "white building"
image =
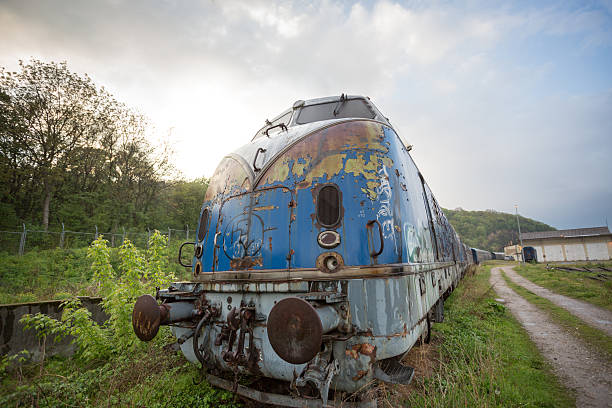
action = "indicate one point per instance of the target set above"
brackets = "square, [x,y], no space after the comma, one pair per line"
[581,244]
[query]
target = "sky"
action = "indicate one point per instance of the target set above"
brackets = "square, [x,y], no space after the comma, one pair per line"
[505,103]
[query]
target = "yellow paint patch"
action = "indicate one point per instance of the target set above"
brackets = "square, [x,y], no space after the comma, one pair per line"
[372,184]
[266,208]
[370,193]
[325,154]
[299,168]
[278,172]
[387,161]
[330,166]
[358,167]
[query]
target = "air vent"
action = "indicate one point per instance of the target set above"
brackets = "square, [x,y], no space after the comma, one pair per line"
[328,206]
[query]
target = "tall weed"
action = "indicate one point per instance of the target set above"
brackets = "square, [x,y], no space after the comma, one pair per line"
[138,272]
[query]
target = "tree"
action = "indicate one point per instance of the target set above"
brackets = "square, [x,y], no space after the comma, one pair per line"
[48,112]
[61,134]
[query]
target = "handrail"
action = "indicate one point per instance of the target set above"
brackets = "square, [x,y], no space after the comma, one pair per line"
[259,150]
[180,261]
[369,225]
[280,125]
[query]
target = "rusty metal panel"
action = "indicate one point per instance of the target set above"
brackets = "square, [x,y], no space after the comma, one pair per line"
[370,165]
[253,231]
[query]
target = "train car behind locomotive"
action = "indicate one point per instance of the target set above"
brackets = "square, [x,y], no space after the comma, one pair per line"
[321,256]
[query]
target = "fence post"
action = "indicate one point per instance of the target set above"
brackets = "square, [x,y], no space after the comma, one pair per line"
[112,240]
[62,237]
[22,241]
[96,236]
[148,236]
[187,232]
[123,240]
[169,232]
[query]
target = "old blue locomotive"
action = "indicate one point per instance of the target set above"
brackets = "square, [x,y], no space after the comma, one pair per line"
[321,257]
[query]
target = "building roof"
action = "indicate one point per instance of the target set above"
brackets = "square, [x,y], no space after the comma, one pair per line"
[569,233]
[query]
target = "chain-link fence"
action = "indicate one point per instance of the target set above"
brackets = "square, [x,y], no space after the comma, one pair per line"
[19,242]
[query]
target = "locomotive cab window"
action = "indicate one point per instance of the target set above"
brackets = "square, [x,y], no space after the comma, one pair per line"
[328,206]
[351,108]
[203,224]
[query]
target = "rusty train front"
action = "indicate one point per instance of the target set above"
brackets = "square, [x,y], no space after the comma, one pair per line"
[321,255]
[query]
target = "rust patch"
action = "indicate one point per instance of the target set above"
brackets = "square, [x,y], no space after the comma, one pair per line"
[270,243]
[366,349]
[147,317]
[353,147]
[248,262]
[294,330]
[403,333]
[360,375]
[229,177]
[330,262]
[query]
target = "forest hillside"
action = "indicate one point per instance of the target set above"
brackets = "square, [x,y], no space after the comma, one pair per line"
[491,230]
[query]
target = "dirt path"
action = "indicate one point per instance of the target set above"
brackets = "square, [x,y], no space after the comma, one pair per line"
[580,369]
[591,315]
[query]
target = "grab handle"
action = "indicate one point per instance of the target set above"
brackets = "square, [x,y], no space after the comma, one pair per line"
[180,261]
[280,125]
[369,225]
[260,150]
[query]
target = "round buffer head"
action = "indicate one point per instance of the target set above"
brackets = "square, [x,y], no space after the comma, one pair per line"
[295,330]
[146,317]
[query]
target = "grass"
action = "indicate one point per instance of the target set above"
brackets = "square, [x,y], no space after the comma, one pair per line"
[484,358]
[56,274]
[576,285]
[44,275]
[158,378]
[596,338]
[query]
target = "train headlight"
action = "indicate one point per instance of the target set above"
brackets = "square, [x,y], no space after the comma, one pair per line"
[330,262]
[328,239]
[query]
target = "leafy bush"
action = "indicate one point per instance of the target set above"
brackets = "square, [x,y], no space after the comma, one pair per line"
[138,272]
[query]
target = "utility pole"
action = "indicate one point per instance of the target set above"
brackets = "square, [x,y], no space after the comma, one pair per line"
[519,231]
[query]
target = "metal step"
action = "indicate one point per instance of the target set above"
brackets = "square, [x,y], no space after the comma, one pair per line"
[392,371]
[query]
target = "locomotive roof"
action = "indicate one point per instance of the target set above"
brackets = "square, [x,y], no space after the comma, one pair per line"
[292,116]
[303,118]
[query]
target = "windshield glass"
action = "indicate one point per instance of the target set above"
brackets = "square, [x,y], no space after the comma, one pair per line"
[284,118]
[353,108]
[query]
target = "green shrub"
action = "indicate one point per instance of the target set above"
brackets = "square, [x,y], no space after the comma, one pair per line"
[138,272]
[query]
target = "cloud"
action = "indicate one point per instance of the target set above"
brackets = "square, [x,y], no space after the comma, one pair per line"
[473,88]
